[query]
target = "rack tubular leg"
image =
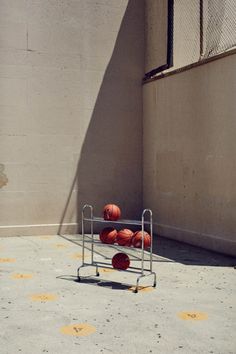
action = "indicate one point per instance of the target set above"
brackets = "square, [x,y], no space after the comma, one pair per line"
[85,265]
[87,206]
[147,211]
[97,272]
[78,276]
[145,275]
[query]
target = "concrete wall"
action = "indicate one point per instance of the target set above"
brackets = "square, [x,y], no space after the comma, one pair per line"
[189,155]
[70,110]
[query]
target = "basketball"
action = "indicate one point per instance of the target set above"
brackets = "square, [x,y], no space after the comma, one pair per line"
[108,235]
[124,237]
[120,261]
[137,240]
[111,212]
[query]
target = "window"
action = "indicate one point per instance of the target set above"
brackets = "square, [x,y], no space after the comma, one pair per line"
[183,32]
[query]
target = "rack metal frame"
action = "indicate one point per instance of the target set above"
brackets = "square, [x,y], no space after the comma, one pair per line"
[142,271]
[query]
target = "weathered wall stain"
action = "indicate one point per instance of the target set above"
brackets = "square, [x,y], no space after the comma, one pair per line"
[3,177]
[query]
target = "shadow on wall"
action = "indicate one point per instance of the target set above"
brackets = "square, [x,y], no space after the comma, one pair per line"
[110,165]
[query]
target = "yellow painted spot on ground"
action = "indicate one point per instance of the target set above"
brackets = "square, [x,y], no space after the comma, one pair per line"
[7,260]
[142,289]
[21,276]
[81,329]
[79,256]
[43,297]
[60,245]
[45,237]
[193,316]
[106,270]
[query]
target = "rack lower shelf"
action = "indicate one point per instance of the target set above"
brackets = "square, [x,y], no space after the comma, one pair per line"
[130,269]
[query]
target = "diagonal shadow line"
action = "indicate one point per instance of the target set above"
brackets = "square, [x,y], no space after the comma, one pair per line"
[67,202]
[116,113]
[171,251]
[134,258]
[77,244]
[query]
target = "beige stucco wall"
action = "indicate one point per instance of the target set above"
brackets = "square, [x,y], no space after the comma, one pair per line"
[189,155]
[70,110]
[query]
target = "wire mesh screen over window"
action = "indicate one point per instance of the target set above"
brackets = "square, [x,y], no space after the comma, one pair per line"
[186,32]
[219,33]
[202,29]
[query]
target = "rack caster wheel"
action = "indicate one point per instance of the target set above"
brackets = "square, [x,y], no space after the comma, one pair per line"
[78,279]
[97,274]
[136,291]
[154,285]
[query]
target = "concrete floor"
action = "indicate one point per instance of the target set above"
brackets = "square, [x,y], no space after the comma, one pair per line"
[45,310]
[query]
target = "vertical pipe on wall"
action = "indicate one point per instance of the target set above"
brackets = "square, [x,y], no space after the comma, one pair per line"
[201,29]
[170,31]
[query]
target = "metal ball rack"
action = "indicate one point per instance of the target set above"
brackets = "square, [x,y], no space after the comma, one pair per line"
[140,253]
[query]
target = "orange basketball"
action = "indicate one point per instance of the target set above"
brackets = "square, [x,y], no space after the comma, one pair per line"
[108,235]
[120,261]
[137,240]
[111,212]
[124,237]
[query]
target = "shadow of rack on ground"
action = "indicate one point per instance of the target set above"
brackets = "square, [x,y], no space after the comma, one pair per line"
[166,250]
[97,282]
